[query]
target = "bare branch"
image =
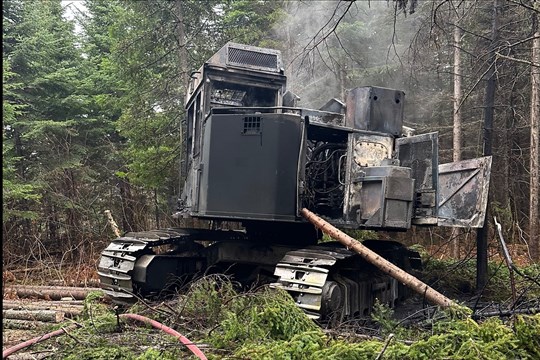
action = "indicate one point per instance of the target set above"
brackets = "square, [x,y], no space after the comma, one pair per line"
[521,3]
[530,63]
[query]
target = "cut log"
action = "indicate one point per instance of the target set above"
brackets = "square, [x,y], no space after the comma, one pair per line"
[69,310]
[51,292]
[55,316]
[23,324]
[79,283]
[384,265]
[45,303]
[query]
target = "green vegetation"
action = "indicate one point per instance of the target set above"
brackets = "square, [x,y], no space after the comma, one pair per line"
[266,324]
[458,277]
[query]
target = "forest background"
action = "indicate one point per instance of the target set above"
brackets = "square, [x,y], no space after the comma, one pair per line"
[93,101]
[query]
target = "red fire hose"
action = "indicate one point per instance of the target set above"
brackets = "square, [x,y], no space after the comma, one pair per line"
[35,340]
[192,347]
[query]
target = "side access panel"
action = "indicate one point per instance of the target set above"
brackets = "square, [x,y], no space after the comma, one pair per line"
[420,153]
[363,150]
[463,192]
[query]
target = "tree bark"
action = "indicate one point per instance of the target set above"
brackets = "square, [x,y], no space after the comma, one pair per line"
[54,316]
[457,133]
[73,229]
[42,304]
[67,307]
[113,224]
[378,261]
[50,292]
[458,33]
[534,216]
[128,218]
[23,324]
[183,58]
[489,110]
[182,49]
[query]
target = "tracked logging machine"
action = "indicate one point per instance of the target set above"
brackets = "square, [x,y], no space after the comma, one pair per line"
[254,158]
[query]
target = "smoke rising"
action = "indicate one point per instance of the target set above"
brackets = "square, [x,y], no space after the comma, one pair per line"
[332,46]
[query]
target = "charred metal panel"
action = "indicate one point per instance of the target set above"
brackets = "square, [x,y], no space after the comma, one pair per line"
[382,196]
[245,252]
[420,153]
[386,197]
[322,117]
[363,150]
[249,167]
[375,109]
[463,192]
[371,150]
[290,99]
[334,105]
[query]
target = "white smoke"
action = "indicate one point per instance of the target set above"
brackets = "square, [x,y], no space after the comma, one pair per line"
[331,46]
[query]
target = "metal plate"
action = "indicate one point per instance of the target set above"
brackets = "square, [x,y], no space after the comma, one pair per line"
[420,153]
[463,192]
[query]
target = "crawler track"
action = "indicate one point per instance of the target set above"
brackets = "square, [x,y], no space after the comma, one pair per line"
[322,279]
[117,263]
[330,280]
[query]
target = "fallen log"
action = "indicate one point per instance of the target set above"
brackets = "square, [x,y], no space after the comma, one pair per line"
[69,310]
[55,316]
[384,265]
[51,292]
[73,283]
[57,303]
[23,324]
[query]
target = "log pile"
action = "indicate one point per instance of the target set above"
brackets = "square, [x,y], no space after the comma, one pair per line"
[50,292]
[70,308]
[39,306]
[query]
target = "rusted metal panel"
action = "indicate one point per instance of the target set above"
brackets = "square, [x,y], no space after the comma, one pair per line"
[463,192]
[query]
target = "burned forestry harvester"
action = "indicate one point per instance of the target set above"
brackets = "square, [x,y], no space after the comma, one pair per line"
[255,158]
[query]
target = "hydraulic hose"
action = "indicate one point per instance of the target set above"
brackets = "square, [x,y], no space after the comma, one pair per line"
[35,340]
[191,346]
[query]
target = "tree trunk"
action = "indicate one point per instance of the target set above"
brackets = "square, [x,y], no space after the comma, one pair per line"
[342,75]
[489,110]
[458,33]
[156,208]
[128,216]
[185,78]
[457,93]
[381,263]
[534,216]
[52,219]
[182,49]
[72,217]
